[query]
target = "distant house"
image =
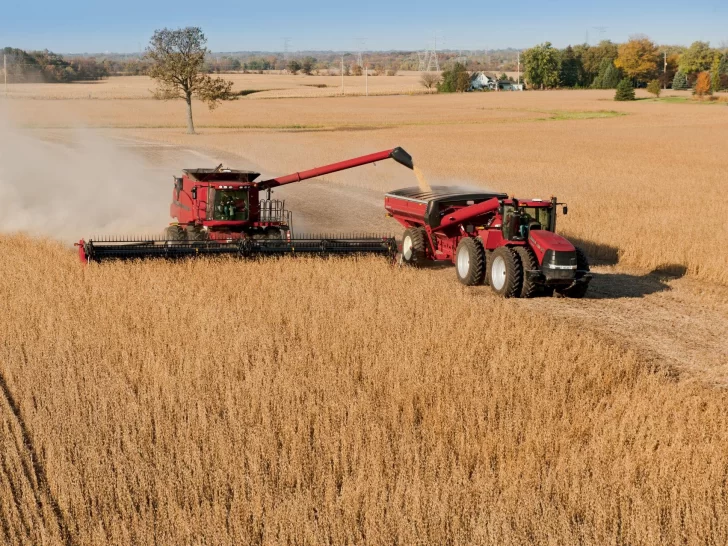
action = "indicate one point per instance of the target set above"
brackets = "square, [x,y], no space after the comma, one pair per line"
[480,81]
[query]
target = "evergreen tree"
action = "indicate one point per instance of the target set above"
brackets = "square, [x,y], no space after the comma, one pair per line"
[723,66]
[680,82]
[715,74]
[625,91]
[609,75]
[569,70]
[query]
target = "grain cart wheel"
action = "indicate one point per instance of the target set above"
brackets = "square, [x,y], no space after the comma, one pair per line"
[578,290]
[470,261]
[175,233]
[506,272]
[414,249]
[529,263]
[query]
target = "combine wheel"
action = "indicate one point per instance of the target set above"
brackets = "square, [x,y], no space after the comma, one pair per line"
[506,273]
[175,233]
[529,263]
[414,246]
[273,234]
[195,234]
[470,261]
[579,290]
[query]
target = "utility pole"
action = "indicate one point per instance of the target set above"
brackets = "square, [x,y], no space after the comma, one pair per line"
[519,68]
[5,72]
[366,79]
[664,71]
[342,74]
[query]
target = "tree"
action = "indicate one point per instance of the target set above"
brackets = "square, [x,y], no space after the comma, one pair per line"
[177,57]
[595,59]
[723,66]
[680,83]
[541,66]
[703,85]
[357,70]
[454,80]
[293,67]
[697,58]
[638,59]
[654,88]
[307,65]
[429,80]
[715,74]
[625,91]
[609,76]
[569,69]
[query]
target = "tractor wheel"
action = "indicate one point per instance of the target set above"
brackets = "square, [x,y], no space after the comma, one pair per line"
[529,263]
[470,261]
[195,234]
[414,246]
[506,272]
[577,291]
[175,233]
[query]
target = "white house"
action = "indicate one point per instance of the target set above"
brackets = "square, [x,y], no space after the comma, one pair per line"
[480,81]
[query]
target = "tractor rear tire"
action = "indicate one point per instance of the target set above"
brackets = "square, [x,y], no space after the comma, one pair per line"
[470,261]
[414,246]
[529,263]
[175,233]
[506,272]
[577,291]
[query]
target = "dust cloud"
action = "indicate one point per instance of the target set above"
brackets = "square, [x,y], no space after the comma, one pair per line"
[74,183]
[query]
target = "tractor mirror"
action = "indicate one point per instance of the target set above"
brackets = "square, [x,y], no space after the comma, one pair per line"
[194,193]
[565,210]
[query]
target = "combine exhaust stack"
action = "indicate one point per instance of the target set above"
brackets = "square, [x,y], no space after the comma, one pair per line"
[100,250]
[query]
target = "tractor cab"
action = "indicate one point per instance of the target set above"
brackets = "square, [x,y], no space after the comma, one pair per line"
[520,217]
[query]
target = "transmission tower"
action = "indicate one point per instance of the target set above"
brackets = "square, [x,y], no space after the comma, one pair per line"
[423,57]
[286,48]
[601,31]
[433,64]
[361,45]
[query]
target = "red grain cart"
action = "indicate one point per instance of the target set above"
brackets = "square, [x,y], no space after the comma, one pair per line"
[508,243]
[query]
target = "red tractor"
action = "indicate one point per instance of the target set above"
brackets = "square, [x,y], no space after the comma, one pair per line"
[508,243]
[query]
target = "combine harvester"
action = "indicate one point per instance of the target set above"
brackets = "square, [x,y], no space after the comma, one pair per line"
[220,212]
[508,243]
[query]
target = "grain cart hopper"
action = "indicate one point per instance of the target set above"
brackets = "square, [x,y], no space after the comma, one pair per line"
[508,243]
[221,211]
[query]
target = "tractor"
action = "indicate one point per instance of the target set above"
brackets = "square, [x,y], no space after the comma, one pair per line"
[510,244]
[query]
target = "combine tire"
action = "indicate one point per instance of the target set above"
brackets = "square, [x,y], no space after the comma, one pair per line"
[175,233]
[194,234]
[414,246]
[579,290]
[470,261]
[506,272]
[529,263]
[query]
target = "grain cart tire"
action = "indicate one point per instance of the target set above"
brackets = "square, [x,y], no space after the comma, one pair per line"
[196,234]
[506,272]
[577,291]
[470,261]
[175,233]
[414,246]
[529,263]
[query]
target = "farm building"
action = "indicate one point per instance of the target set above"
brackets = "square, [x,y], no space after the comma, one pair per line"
[480,81]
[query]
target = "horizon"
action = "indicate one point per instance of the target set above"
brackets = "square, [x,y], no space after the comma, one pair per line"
[85,27]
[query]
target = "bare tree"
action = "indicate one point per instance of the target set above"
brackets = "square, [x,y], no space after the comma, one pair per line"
[177,58]
[429,80]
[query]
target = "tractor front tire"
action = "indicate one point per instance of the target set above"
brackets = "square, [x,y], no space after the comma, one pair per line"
[577,291]
[414,246]
[175,233]
[529,263]
[506,272]
[470,261]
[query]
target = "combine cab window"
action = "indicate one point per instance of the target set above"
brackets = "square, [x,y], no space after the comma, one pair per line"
[229,205]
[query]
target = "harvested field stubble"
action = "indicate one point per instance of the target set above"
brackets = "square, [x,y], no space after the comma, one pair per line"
[337,400]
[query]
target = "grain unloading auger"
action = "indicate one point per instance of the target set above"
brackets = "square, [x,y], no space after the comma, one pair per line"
[221,212]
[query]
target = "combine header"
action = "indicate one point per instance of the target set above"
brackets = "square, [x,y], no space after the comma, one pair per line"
[221,212]
[508,243]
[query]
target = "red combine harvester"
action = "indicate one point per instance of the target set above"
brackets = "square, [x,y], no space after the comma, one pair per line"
[220,211]
[508,243]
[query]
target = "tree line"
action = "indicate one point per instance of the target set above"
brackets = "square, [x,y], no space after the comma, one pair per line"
[639,60]
[48,67]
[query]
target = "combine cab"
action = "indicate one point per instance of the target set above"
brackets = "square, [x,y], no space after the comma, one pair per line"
[221,212]
[508,243]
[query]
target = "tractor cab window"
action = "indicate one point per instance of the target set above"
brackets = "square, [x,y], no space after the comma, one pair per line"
[517,223]
[229,205]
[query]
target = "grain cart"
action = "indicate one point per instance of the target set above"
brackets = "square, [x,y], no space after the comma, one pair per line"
[508,243]
[221,212]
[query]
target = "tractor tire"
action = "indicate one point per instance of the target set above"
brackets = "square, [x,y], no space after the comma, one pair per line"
[529,263]
[577,291]
[470,261]
[506,272]
[194,234]
[414,246]
[175,233]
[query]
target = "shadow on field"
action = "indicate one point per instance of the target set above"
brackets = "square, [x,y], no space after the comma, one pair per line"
[598,253]
[624,285]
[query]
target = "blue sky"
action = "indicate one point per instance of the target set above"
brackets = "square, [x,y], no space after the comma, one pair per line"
[98,26]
